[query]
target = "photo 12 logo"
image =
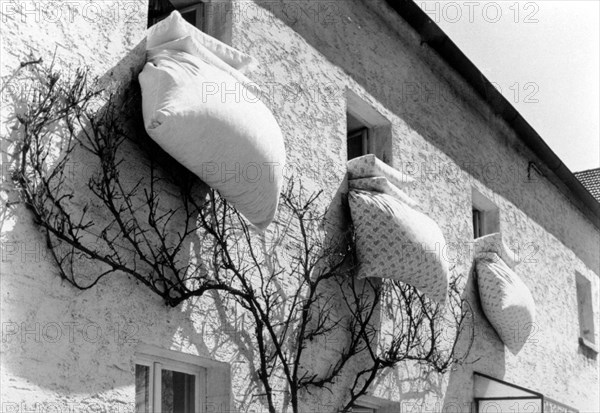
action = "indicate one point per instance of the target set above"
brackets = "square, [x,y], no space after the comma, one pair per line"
[68,332]
[481,11]
[67,406]
[519,92]
[61,12]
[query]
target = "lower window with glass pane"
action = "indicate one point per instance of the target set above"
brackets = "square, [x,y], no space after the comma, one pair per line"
[168,386]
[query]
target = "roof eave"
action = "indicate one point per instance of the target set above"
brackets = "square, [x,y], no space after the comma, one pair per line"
[436,39]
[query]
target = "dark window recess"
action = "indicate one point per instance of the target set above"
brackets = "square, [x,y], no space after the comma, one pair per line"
[357,137]
[477,223]
[177,390]
[358,143]
[142,388]
[191,16]
[160,9]
[486,216]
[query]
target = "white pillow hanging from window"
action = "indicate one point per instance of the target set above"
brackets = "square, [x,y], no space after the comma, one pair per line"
[398,242]
[201,110]
[506,301]
[369,166]
[382,185]
[495,243]
[177,28]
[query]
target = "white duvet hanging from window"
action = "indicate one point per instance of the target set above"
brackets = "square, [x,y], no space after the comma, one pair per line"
[394,240]
[201,109]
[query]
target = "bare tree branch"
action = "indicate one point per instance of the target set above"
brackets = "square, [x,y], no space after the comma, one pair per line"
[295,282]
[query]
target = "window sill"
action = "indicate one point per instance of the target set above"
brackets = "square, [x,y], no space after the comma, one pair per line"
[378,404]
[588,344]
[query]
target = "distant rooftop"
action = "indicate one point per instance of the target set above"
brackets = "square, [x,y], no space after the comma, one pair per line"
[591,181]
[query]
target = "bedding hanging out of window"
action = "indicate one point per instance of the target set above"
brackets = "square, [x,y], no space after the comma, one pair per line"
[199,106]
[394,240]
[506,301]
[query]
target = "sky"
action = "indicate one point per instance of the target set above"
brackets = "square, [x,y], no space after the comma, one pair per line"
[544,58]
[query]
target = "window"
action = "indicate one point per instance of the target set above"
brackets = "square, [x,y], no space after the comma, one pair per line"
[587,334]
[477,223]
[168,386]
[486,216]
[212,17]
[192,12]
[358,137]
[367,130]
[172,382]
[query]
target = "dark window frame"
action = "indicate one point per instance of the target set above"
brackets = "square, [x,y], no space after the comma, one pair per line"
[477,223]
[358,138]
[485,215]
[162,11]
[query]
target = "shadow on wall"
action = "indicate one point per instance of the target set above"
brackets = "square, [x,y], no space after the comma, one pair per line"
[81,343]
[488,352]
[87,339]
[422,391]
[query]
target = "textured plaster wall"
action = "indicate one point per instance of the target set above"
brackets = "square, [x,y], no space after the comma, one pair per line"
[450,142]
[62,349]
[309,54]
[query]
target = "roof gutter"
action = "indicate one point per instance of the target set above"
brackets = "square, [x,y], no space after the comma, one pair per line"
[437,40]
